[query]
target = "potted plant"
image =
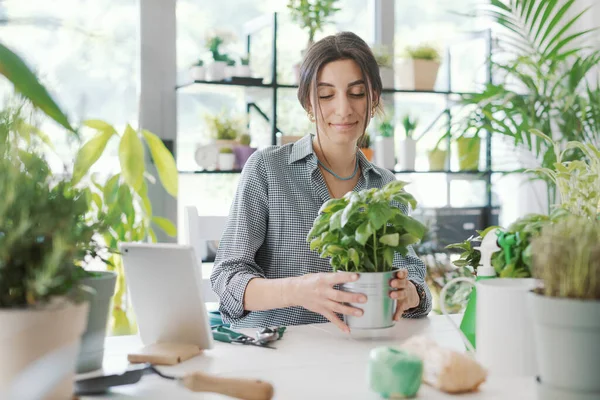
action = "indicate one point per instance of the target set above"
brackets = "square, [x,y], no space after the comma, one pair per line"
[215,71]
[408,145]
[365,146]
[418,68]
[43,310]
[230,68]
[361,232]
[197,71]
[243,151]
[226,159]
[312,16]
[437,157]
[384,145]
[224,128]
[468,149]
[243,69]
[566,308]
[384,60]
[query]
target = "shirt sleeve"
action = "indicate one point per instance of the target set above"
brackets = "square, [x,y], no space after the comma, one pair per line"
[416,274]
[244,234]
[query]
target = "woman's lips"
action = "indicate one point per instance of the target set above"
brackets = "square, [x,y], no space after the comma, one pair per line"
[344,127]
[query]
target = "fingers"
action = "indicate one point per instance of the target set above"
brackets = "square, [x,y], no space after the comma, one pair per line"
[343,309]
[340,296]
[337,278]
[336,321]
[402,274]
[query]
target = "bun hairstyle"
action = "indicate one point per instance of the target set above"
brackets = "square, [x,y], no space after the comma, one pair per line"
[341,46]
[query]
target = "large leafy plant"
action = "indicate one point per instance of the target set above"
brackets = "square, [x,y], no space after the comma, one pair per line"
[567,258]
[312,14]
[539,63]
[363,230]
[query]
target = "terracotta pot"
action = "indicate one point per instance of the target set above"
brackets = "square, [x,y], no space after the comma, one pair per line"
[39,349]
[368,153]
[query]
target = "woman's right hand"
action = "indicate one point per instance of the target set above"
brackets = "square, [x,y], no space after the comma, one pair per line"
[316,293]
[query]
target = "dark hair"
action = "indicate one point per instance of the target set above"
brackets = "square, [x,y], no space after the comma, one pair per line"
[341,46]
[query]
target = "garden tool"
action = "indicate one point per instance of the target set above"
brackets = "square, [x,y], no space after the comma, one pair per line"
[263,337]
[246,389]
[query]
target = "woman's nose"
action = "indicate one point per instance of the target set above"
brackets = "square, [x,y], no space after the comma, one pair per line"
[342,106]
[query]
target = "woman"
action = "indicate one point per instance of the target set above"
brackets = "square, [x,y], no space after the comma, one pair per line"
[265,273]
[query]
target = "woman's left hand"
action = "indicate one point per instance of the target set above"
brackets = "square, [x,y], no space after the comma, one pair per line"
[406,295]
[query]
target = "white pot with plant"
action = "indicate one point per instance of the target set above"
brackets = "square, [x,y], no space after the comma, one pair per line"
[361,232]
[224,128]
[198,71]
[230,69]
[418,69]
[383,57]
[243,69]
[216,69]
[408,146]
[312,16]
[384,152]
[226,159]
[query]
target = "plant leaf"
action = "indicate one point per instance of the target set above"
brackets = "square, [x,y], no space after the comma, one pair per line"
[26,83]
[363,233]
[164,161]
[390,239]
[131,157]
[167,226]
[89,154]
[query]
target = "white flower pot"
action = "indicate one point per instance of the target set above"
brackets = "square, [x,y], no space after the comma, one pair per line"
[39,347]
[226,161]
[417,74]
[384,152]
[215,71]
[243,71]
[229,71]
[567,338]
[407,154]
[198,73]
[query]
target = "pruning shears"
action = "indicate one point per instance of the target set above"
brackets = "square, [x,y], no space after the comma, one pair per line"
[263,337]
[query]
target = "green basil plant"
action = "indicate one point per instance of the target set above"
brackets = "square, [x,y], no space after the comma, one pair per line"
[363,230]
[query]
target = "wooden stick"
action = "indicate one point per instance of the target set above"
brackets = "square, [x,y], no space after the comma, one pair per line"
[245,389]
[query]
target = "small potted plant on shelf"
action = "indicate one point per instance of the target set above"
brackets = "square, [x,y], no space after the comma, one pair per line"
[243,69]
[408,145]
[243,151]
[361,232]
[468,149]
[215,70]
[385,156]
[418,68]
[224,128]
[312,16]
[384,60]
[437,156]
[198,71]
[230,69]
[566,308]
[365,146]
[226,159]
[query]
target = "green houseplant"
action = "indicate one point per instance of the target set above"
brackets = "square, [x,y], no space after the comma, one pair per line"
[438,156]
[566,308]
[540,66]
[408,145]
[312,15]
[361,232]
[365,146]
[213,40]
[418,68]
[226,159]
[385,155]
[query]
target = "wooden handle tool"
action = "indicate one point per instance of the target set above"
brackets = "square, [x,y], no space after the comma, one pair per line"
[245,389]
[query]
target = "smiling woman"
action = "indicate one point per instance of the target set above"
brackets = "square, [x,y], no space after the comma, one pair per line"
[265,273]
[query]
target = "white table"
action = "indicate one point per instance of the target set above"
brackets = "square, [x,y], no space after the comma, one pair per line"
[310,362]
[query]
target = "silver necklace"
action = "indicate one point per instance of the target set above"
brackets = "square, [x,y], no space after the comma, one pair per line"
[336,175]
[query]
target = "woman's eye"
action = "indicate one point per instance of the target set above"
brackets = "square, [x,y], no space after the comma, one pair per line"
[325,96]
[357,94]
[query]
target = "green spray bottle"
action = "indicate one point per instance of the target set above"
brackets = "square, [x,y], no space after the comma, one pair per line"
[489,245]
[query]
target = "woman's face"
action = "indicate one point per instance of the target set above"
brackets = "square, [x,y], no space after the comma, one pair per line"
[342,99]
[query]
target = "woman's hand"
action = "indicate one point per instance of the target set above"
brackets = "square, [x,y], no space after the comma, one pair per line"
[315,292]
[406,295]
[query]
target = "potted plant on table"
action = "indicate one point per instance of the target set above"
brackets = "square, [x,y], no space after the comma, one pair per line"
[384,145]
[216,70]
[243,69]
[566,308]
[418,68]
[361,232]
[408,145]
[226,159]
[198,71]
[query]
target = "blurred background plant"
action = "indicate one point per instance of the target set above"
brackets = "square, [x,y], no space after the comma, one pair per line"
[422,52]
[409,124]
[224,126]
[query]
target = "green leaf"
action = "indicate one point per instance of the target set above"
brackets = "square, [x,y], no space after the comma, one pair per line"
[131,157]
[390,239]
[388,257]
[363,233]
[97,200]
[333,205]
[164,161]
[349,212]
[379,214]
[354,257]
[89,154]
[319,226]
[99,125]
[410,224]
[152,235]
[26,83]
[125,201]
[146,204]
[407,239]
[111,189]
[335,223]
[166,225]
